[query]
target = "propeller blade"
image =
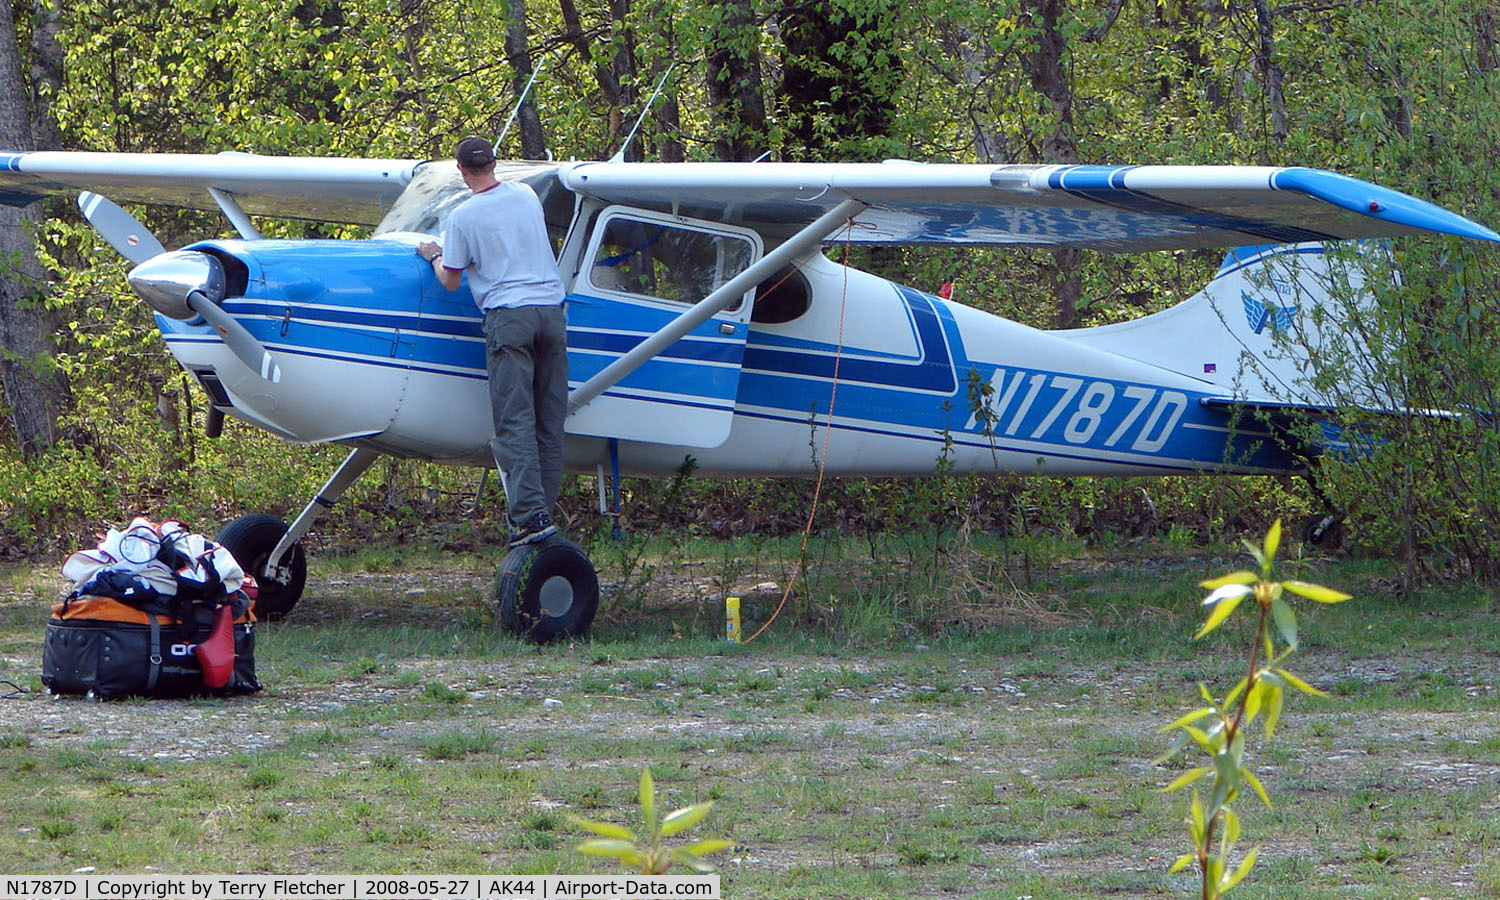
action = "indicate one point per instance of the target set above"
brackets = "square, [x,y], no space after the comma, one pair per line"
[244,344]
[122,230]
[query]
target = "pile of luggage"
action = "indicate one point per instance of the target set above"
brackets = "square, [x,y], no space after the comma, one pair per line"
[155,611]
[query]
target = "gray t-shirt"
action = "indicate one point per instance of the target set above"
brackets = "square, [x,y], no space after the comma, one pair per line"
[500,237]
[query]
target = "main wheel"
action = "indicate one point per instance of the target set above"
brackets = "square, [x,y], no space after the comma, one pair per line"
[547,590]
[251,539]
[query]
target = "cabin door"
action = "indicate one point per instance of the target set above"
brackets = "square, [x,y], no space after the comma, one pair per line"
[641,270]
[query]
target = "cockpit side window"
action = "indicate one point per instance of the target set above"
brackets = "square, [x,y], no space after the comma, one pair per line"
[668,262]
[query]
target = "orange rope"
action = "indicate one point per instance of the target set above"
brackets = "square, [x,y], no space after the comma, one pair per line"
[833,394]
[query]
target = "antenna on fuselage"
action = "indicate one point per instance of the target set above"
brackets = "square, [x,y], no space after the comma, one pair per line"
[520,100]
[620,154]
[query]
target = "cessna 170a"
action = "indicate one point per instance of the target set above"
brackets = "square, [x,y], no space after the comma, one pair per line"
[704,318]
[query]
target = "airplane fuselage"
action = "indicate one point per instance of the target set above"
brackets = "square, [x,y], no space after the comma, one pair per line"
[375,353]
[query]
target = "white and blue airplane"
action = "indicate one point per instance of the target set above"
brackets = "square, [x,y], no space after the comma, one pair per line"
[705,319]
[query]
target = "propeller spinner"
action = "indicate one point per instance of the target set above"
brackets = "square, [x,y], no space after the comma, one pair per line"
[186,283]
[181,285]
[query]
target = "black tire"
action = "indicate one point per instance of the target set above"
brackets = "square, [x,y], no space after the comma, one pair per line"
[547,590]
[1326,533]
[251,539]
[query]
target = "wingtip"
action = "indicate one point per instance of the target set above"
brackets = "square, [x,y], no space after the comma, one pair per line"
[1382,203]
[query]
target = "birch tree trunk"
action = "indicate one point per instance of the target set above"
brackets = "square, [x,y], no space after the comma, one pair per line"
[517,37]
[33,390]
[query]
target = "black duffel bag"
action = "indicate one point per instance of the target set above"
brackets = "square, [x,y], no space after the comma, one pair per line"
[107,649]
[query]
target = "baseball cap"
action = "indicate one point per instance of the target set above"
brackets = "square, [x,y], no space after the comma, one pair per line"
[474,152]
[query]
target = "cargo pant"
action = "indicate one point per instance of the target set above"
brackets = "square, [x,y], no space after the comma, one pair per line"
[527,351]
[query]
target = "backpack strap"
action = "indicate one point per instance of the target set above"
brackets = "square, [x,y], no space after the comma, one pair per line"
[155,658]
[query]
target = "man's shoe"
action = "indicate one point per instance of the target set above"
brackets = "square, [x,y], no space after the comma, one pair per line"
[533,529]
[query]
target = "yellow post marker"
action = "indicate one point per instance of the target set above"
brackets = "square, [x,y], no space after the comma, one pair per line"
[732,619]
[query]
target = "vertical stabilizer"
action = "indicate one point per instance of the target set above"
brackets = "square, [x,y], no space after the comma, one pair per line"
[1255,329]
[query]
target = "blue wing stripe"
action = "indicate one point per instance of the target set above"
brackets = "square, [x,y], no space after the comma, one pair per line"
[1105,185]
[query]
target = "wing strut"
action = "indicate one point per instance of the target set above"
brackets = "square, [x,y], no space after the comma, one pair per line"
[235,214]
[792,249]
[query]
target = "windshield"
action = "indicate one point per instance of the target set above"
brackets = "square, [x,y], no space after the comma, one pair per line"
[436,189]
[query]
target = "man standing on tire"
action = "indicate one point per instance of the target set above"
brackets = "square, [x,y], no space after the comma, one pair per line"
[499,237]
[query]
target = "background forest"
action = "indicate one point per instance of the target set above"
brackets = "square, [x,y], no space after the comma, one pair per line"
[101,425]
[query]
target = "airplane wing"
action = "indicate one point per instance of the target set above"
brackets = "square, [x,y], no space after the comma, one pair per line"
[325,189]
[1111,208]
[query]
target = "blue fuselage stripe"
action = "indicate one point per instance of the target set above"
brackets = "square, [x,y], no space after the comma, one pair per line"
[931,372]
[770,377]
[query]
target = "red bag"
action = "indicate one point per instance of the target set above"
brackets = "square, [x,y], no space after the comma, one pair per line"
[216,652]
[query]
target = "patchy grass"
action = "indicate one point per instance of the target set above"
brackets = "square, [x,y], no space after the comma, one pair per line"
[983,728]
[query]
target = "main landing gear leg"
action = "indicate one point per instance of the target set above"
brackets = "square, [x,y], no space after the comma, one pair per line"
[270,551]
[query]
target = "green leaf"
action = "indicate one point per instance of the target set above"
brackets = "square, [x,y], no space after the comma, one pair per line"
[1202,738]
[1299,684]
[1231,832]
[707,846]
[624,851]
[1244,576]
[1234,692]
[1273,541]
[1223,606]
[1226,770]
[1244,868]
[1255,785]
[1253,702]
[1215,872]
[1182,862]
[1254,551]
[1178,743]
[685,818]
[648,799]
[607,829]
[691,861]
[1316,592]
[1286,621]
[1188,719]
[1273,707]
[1196,825]
[1226,781]
[1186,778]
[1236,591]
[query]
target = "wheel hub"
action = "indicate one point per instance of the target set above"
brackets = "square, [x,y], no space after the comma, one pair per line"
[556,596]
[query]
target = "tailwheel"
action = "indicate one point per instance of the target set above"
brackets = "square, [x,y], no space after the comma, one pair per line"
[251,539]
[547,590]
[1324,532]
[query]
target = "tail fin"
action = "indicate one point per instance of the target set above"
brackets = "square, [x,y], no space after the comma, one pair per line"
[1255,330]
